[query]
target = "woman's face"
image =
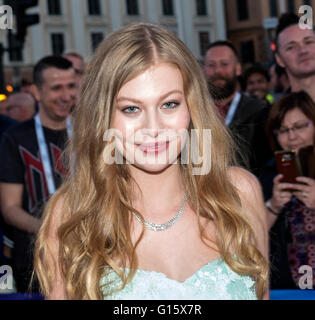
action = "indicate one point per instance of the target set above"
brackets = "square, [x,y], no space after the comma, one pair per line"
[152,116]
[296,131]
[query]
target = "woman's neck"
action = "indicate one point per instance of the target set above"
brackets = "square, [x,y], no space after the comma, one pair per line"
[159,193]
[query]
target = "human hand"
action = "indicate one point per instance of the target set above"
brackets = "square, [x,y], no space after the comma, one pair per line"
[280,193]
[305,191]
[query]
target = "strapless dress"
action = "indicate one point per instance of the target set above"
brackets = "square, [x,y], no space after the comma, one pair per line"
[214,281]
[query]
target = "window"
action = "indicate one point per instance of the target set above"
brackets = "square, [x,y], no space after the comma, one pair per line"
[57,43]
[247,51]
[54,7]
[291,6]
[94,7]
[97,38]
[168,7]
[273,8]
[132,7]
[201,7]
[242,10]
[204,42]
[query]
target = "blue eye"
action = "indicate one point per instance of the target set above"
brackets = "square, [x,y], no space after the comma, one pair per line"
[130,109]
[171,105]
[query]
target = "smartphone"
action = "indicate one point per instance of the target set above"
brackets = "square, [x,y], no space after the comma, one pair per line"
[288,164]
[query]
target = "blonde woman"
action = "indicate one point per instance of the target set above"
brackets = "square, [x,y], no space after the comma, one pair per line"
[127,225]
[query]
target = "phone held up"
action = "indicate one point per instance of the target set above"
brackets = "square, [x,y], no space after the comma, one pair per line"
[288,164]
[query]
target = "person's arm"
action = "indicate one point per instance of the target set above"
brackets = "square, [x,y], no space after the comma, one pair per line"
[280,196]
[11,206]
[252,201]
[12,177]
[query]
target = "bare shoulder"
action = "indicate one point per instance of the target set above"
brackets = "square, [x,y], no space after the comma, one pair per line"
[249,190]
[250,193]
[244,181]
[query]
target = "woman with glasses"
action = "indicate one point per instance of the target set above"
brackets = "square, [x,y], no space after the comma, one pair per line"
[291,206]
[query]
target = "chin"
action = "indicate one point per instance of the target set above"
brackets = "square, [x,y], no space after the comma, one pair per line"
[153,169]
[306,72]
[62,117]
[153,163]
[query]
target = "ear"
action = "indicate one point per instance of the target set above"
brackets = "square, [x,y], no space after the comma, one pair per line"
[238,69]
[279,60]
[36,92]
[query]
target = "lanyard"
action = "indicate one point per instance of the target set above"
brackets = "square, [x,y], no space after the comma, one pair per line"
[232,109]
[43,150]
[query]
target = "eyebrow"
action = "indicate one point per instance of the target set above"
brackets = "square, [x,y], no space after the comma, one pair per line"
[122,98]
[295,122]
[305,38]
[290,42]
[58,85]
[219,60]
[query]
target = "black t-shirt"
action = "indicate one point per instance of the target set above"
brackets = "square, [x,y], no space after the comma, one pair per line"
[20,163]
[6,123]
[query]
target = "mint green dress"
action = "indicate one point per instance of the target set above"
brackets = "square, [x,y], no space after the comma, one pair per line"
[214,281]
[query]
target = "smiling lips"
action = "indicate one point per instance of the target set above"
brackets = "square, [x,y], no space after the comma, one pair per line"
[154,148]
[305,59]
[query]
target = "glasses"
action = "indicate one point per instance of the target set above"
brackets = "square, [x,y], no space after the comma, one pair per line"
[297,128]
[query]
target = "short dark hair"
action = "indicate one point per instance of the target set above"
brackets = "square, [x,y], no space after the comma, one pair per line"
[223,43]
[300,100]
[256,68]
[286,20]
[49,62]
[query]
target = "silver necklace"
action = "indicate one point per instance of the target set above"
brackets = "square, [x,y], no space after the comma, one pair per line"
[163,226]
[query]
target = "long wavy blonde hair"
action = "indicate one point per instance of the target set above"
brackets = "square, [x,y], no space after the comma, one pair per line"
[96,196]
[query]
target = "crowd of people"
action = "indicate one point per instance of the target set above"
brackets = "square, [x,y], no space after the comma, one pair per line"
[84,224]
[31,156]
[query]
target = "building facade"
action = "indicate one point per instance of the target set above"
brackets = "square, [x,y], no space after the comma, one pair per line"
[80,25]
[251,25]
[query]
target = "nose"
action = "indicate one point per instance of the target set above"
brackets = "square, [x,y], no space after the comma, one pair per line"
[303,48]
[214,70]
[291,134]
[153,123]
[218,70]
[67,94]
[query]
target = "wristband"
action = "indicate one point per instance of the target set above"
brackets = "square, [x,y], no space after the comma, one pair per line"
[268,205]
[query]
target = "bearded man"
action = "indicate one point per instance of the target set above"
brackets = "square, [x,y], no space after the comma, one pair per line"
[244,116]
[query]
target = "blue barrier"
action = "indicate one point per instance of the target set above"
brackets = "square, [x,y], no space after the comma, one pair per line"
[21,296]
[274,295]
[292,294]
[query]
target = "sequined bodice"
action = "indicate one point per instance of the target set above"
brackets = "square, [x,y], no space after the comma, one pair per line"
[214,281]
